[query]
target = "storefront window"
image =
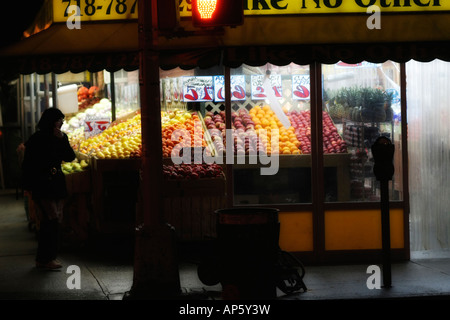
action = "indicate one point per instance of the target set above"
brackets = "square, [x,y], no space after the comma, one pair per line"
[189,128]
[271,126]
[84,100]
[361,102]
[126,91]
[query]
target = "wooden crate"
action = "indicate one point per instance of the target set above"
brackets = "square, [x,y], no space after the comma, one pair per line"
[189,206]
[103,220]
[193,216]
[192,188]
[79,182]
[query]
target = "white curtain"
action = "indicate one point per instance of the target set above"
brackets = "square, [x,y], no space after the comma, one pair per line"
[428,97]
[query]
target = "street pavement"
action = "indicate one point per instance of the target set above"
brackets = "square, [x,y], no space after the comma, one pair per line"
[106,272]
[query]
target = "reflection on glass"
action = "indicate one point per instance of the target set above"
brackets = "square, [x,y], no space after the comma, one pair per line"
[360,103]
[273,118]
[126,92]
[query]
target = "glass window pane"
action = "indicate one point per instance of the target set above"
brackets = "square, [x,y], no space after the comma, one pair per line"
[361,102]
[126,92]
[271,122]
[187,100]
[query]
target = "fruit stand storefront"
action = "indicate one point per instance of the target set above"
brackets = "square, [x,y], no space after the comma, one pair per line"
[330,82]
[310,88]
[91,74]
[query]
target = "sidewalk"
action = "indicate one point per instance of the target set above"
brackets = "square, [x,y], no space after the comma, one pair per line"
[106,275]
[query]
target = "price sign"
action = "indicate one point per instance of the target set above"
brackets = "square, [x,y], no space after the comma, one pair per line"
[258,88]
[176,92]
[237,86]
[95,10]
[300,87]
[95,125]
[198,89]
[166,90]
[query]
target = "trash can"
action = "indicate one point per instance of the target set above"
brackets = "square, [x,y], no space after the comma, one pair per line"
[247,248]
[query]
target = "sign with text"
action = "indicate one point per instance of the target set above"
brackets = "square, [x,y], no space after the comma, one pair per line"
[300,87]
[198,89]
[95,10]
[94,125]
[237,86]
[102,10]
[258,91]
[280,7]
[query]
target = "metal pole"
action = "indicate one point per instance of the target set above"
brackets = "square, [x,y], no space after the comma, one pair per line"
[32,105]
[54,91]
[385,233]
[156,272]
[21,104]
[113,96]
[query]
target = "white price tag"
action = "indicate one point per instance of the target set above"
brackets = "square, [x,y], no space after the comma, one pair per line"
[95,125]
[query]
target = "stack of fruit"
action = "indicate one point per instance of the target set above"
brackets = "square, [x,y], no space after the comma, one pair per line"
[181,129]
[120,141]
[87,97]
[332,141]
[74,166]
[264,118]
[74,126]
[246,135]
[192,171]
[301,121]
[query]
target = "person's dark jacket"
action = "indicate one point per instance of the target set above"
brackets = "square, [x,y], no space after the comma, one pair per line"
[44,153]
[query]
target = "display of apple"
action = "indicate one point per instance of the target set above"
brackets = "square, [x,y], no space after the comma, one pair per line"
[332,141]
[301,121]
[245,139]
[192,171]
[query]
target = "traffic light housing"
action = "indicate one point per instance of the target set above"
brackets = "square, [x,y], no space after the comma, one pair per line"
[168,15]
[217,13]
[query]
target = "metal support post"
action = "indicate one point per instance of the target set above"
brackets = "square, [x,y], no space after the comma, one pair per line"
[156,274]
[385,233]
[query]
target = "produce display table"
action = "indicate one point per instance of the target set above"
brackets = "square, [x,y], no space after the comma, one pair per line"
[114,194]
[188,204]
[77,208]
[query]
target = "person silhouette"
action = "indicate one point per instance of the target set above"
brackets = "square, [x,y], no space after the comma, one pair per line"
[44,180]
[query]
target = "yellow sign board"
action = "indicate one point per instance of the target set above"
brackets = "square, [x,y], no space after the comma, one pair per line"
[94,10]
[99,10]
[283,7]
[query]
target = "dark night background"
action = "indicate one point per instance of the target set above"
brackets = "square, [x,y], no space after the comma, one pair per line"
[16,16]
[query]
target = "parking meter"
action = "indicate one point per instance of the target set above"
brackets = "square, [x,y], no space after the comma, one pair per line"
[383,155]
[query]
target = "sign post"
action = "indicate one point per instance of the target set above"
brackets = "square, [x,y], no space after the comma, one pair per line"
[156,274]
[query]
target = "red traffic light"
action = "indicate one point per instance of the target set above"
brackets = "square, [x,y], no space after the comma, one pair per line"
[216,13]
